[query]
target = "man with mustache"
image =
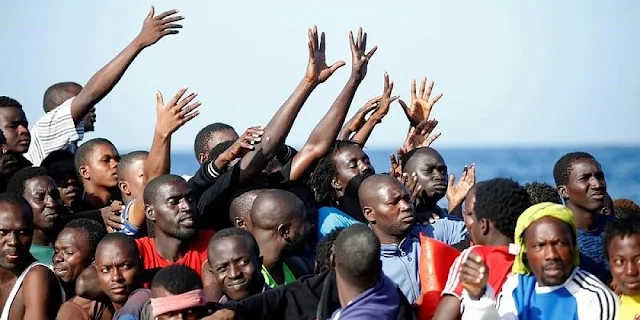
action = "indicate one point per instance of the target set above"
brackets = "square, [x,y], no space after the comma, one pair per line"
[546,282]
[38,188]
[622,249]
[581,183]
[28,288]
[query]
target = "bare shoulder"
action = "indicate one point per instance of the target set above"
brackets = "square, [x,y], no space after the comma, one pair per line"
[39,275]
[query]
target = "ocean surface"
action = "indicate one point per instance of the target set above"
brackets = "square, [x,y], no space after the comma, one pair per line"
[621,164]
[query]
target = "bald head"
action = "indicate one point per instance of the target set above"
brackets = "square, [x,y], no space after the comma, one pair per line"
[387,206]
[371,188]
[357,256]
[273,207]
[418,155]
[240,208]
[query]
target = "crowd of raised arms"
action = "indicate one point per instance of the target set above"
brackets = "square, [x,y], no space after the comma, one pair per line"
[264,231]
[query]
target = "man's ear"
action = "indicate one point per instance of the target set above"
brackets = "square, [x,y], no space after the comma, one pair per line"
[202,157]
[124,188]
[239,223]
[332,260]
[485,226]
[83,171]
[368,214]
[335,184]
[562,191]
[284,231]
[149,213]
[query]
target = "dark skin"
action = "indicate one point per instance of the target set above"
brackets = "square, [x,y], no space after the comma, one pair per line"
[8,161]
[14,125]
[585,192]
[39,296]
[71,256]
[432,174]
[235,267]
[350,161]
[118,265]
[99,174]
[216,138]
[44,198]
[185,314]
[69,186]
[387,205]
[324,134]
[624,261]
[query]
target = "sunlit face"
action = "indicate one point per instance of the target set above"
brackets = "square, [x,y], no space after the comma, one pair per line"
[174,210]
[350,161]
[624,261]
[71,254]
[101,166]
[14,125]
[16,233]
[235,266]
[118,266]
[44,198]
[393,212]
[549,250]
[587,187]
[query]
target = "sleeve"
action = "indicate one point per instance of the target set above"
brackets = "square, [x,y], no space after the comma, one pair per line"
[270,304]
[448,231]
[604,306]
[329,220]
[453,286]
[54,131]
[205,177]
[487,308]
[224,182]
[133,307]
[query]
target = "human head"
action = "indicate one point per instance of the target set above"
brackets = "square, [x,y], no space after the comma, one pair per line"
[357,257]
[59,93]
[279,216]
[41,192]
[75,248]
[16,221]
[170,206]
[540,192]
[218,149]
[431,171]
[240,208]
[176,293]
[8,161]
[492,209]
[60,165]
[14,125]
[342,168]
[234,261]
[625,207]
[131,174]
[387,205]
[546,236]
[97,163]
[118,264]
[211,135]
[324,251]
[580,181]
[622,249]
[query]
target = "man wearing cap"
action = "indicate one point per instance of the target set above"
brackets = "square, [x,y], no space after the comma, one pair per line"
[546,282]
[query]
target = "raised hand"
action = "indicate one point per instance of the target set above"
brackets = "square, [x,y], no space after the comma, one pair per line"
[385,100]
[318,71]
[242,146]
[411,183]
[420,135]
[421,106]
[359,56]
[111,216]
[154,28]
[474,275]
[360,117]
[175,113]
[457,192]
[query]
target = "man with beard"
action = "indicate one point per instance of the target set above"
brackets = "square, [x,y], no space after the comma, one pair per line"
[28,289]
[14,125]
[546,282]
[581,184]
[279,225]
[38,188]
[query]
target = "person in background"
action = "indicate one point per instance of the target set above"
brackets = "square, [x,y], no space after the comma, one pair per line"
[8,163]
[96,163]
[491,211]
[581,183]
[14,125]
[38,188]
[131,184]
[60,165]
[622,249]
[240,208]
[70,108]
[209,137]
[547,282]
[324,251]
[625,207]
[540,192]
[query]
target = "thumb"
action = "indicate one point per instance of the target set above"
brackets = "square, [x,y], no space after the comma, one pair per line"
[151,13]
[336,66]
[159,99]
[404,106]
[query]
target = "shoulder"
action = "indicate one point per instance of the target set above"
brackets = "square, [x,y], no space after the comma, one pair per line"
[72,310]
[40,274]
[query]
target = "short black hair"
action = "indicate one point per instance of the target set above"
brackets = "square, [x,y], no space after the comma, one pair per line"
[14,198]
[177,279]
[116,237]
[625,207]
[86,149]
[325,171]
[562,166]
[219,148]
[57,94]
[623,227]
[151,189]
[324,250]
[127,160]
[200,143]
[17,181]
[540,192]
[357,253]
[56,157]
[501,201]
[9,102]
[237,232]
[95,231]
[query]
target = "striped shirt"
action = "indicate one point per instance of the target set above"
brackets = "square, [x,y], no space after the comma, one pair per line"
[581,297]
[54,131]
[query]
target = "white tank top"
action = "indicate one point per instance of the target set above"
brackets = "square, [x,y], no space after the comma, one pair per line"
[18,284]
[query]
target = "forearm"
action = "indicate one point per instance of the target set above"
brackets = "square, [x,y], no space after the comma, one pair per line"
[159,161]
[363,134]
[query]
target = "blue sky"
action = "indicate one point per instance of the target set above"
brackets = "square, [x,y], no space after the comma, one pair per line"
[513,72]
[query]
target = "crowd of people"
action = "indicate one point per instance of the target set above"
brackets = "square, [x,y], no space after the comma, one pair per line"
[265,231]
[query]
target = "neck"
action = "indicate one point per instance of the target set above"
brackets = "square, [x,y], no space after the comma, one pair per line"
[498,241]
[170,249]
[426,204]
[41,238]
[389,238]
[96,195]
[584,219]
[347,291]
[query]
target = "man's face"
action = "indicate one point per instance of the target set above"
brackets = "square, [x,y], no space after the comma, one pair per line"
[470,218]
[351,161]
[235,267]
[44,198]
[586,187]
[102,165]
[431,172]
[393,212]
[174,210]
[549,250]
[71,254]
[624,261]
[215,139]
[69,187]
[118,267]
[16,233]
[15,127]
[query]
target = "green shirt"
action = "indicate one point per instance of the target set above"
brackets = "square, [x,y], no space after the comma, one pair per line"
[268,279]
[43,254]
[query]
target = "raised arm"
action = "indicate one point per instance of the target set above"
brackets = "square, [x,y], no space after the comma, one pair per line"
[101,83]
[278,128]
[421,104]
[386,99]
[324,134]
[359,119]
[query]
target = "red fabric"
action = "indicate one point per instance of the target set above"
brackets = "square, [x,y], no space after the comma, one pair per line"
[194,258]
[498,260]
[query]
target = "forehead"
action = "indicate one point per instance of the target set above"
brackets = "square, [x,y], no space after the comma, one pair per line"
[103,149]
[13,213]
[40,182]
[76,237]
[171,189]
[389,189]
[134,166]
[220,136]
[348,153]
[115,251]
[229,247]
[548,227]
[11,114]
[426,157]
[625,243]
[584,166]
